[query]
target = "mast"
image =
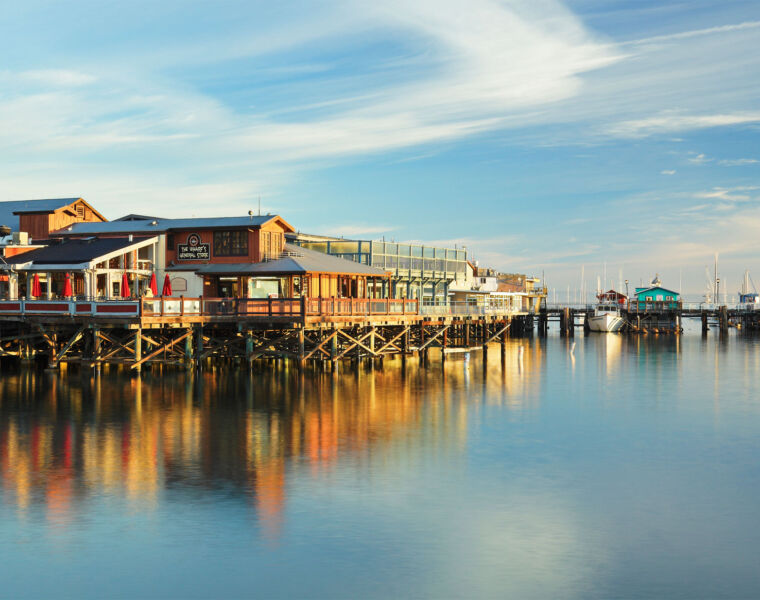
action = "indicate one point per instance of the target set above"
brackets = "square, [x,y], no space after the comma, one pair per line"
[715,280]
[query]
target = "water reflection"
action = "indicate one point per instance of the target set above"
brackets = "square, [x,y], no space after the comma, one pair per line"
[599,466]
[66,438]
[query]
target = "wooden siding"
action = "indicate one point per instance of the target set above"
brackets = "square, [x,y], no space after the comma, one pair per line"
[39,225]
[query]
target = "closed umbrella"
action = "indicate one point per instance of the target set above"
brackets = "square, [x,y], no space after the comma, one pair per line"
[67,286]
[124,286]
[153,286]
[167,291]
[36,288]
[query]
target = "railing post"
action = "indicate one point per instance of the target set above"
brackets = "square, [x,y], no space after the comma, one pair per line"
[270,306]
[303,308]
[182,306]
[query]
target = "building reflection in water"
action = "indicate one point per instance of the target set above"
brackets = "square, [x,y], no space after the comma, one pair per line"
[67,439]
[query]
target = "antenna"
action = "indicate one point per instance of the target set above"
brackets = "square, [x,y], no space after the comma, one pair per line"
[259,204]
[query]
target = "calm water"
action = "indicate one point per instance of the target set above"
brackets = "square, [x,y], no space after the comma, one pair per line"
[629,467]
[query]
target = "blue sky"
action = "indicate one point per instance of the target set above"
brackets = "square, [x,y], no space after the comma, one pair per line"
[543,135]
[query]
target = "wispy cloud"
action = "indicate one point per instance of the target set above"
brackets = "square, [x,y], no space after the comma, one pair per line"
[668,172]
[700,159]
[738,162]
[672,122]
[682,35]
[729,194]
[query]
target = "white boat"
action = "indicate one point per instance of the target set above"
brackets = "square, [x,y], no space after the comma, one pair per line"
[607,316]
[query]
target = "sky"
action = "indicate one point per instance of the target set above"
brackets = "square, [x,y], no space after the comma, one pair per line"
[548,137]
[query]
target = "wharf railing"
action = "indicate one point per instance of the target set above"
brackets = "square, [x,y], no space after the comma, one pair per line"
[467,309]
[277,307]
[165,306]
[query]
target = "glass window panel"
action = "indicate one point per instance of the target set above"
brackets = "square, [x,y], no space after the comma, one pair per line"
[344,247]
[440,252]
[391,248]
[377,247]
[429,264]
[428,252]
[417,264]
[417,251]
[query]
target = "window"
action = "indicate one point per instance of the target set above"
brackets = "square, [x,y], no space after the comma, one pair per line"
[231,243]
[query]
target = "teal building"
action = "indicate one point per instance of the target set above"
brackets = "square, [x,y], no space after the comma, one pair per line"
[655,295]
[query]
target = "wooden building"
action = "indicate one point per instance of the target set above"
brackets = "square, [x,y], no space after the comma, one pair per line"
[655,296]
[298,272]
[39,218]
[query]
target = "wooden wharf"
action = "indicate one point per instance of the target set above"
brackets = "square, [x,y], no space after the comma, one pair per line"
[191,331]
[656,317]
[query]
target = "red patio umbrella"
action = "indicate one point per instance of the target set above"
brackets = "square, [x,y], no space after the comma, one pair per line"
[36,289]
[153,287]
[124,286]
[67,286]
[167,291]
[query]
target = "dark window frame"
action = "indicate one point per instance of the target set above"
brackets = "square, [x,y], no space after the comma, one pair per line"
[231,242]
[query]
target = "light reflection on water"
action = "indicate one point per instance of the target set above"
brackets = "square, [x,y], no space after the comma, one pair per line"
[595,467]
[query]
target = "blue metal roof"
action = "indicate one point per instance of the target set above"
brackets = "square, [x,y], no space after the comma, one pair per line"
[295,261]
[7,209]
[163,225]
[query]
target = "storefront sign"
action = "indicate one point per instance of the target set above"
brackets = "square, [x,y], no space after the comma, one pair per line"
[194,249]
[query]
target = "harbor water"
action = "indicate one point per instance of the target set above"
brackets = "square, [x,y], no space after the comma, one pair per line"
[606,466]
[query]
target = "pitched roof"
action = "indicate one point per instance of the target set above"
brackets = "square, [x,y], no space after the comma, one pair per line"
[136,217]
[297,261]
[654,287]
[74,251]
[9,210]
[152,226]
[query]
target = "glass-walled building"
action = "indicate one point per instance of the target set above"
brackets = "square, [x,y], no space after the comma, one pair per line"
[423,272]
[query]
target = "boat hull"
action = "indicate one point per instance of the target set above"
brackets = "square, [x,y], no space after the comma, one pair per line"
[607,322]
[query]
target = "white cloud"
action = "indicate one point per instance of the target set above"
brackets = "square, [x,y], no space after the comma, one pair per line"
[56,77]
[728,194]
[668,172]
[682,35]
[700,159]
[672,122]
[738,162]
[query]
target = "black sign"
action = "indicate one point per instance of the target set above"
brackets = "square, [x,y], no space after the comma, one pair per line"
[194,249]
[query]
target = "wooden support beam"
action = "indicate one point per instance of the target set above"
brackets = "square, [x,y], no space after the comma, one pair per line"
[320,347]
[392,341]
[497,334]
[434,337]
[74,339]
[162,349]
[356,342]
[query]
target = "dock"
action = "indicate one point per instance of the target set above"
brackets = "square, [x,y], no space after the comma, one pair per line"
[190,331]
